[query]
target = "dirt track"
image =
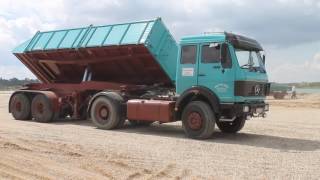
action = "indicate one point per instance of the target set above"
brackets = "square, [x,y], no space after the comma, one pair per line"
[286,145]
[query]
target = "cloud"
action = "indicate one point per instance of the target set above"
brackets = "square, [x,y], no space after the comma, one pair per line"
[17,71]
[19,21]
[278,24]
[306,71]
[314,64]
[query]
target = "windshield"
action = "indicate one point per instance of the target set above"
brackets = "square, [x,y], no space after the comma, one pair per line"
[251,60]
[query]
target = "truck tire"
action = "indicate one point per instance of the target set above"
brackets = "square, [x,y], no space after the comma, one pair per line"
[20,107]
[119,98]
[140,123]
[41,109]
[106,112]
[232,127]
[198,120]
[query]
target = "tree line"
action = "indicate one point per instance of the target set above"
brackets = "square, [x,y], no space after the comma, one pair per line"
[13,83]
[305,84]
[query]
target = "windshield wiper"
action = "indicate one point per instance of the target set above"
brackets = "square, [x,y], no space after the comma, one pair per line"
[250,67]
[246,65]
[260,69]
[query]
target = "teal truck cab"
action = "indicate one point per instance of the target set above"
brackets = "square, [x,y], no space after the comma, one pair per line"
[137,72]
[228,72]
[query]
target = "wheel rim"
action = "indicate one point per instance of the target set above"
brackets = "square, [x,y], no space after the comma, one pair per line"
[194,121]
[40,108]
[102,112]
[18,106]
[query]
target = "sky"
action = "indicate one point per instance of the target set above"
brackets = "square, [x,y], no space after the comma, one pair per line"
[289,30]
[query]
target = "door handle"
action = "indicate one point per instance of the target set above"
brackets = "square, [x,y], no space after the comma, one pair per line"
[201,74]
[216,67]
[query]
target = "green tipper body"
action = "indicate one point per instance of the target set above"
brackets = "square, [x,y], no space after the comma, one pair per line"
[152,34]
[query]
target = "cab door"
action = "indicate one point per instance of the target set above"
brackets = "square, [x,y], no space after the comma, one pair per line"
[187,68]
[215,74]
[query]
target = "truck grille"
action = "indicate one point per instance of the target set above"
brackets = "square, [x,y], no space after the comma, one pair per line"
[251,88]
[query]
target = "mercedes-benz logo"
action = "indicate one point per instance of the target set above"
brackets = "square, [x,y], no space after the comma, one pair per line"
[257,89]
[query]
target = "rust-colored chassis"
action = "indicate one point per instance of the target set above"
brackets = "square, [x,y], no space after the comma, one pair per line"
[127,69]
[75,96]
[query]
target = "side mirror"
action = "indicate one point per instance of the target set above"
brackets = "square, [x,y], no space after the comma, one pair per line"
[224,53]
[264,59]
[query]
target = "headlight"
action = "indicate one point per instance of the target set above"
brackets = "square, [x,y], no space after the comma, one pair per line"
[246,108]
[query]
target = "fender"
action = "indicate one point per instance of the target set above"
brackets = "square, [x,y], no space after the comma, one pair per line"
[53,97]
[102,93]
[197,92]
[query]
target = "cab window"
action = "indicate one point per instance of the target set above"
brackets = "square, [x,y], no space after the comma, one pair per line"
[210,53]
[226,62]
[188,54]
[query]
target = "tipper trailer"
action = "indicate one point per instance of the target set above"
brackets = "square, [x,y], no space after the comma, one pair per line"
[137,71]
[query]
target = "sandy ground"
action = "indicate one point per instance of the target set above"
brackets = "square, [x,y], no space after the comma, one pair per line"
[285,145]
[303,100]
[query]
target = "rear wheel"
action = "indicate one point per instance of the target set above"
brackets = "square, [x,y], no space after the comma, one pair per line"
[106,112]
[119,99]
[198,120]
[232,127]
[20,107]
[41,109]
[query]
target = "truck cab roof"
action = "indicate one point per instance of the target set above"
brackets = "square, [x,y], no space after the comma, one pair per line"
[238,41]
[202,38]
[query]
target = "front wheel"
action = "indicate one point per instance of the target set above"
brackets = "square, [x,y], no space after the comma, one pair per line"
[198,120]
[232,127]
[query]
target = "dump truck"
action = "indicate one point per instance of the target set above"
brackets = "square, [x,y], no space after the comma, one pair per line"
[279,91]
[138,72]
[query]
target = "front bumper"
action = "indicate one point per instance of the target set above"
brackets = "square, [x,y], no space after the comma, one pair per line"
[256,109]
